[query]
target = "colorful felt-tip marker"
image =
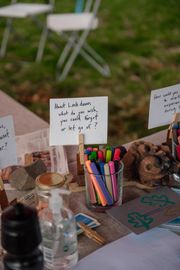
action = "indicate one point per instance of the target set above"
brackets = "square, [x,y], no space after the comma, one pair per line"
[100,156]
[113,179]
[93,156]
[108,179]
[117,153]
[108,155]
[90,188]
[101,168]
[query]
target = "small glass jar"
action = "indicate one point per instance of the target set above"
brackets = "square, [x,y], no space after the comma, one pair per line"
[44,183]
[108,186]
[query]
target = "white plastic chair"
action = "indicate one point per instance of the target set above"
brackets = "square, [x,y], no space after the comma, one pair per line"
[79,26]
[19,10]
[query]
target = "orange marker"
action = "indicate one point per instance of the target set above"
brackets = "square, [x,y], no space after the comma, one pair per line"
[90,188]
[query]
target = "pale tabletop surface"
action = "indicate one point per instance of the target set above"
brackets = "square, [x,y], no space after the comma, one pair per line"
[25,122]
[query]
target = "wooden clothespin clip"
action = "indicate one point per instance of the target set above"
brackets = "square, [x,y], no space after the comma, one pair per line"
[28,159]
[3,196]
[81,148]
[80,161]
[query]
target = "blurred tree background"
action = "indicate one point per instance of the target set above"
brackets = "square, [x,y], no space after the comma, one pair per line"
[140,40]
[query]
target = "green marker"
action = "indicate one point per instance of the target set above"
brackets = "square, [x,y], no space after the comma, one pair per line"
[108,155]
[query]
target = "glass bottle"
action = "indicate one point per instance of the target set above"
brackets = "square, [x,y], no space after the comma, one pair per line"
[59,234]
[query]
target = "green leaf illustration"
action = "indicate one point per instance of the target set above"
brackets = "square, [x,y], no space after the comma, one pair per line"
[138,220]
[156,200]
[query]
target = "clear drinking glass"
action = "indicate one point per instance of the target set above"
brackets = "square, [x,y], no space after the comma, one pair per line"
[104,191]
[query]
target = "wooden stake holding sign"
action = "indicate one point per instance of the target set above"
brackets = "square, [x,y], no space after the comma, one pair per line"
[81,148]
[80,161]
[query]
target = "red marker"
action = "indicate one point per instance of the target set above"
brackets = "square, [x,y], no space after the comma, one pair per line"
[117,154]
[100,155]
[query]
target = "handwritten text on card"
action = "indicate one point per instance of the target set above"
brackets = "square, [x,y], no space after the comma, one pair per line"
[70,117]
[4,135]
[164,103]
[7,142]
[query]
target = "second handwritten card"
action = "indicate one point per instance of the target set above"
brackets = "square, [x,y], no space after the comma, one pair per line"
[164,103]
[8,155]
[72,116]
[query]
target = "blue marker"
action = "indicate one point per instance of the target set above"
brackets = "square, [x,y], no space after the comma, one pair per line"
[101,167]
[87,152]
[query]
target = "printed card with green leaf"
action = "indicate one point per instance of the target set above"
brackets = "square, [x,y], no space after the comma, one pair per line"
[148,211]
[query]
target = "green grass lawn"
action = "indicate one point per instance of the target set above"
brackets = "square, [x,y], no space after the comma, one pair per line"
[140,40]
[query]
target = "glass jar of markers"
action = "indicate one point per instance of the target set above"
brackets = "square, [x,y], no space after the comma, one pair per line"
[103,182]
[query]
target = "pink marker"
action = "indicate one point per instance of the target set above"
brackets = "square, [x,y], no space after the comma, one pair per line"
[113,180]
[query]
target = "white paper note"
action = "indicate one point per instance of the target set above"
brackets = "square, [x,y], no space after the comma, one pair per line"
[72,116]
[8,154]
[164,103]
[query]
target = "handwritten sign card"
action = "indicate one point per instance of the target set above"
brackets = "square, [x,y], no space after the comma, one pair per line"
[72,116]
[164,103]
[8,154]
